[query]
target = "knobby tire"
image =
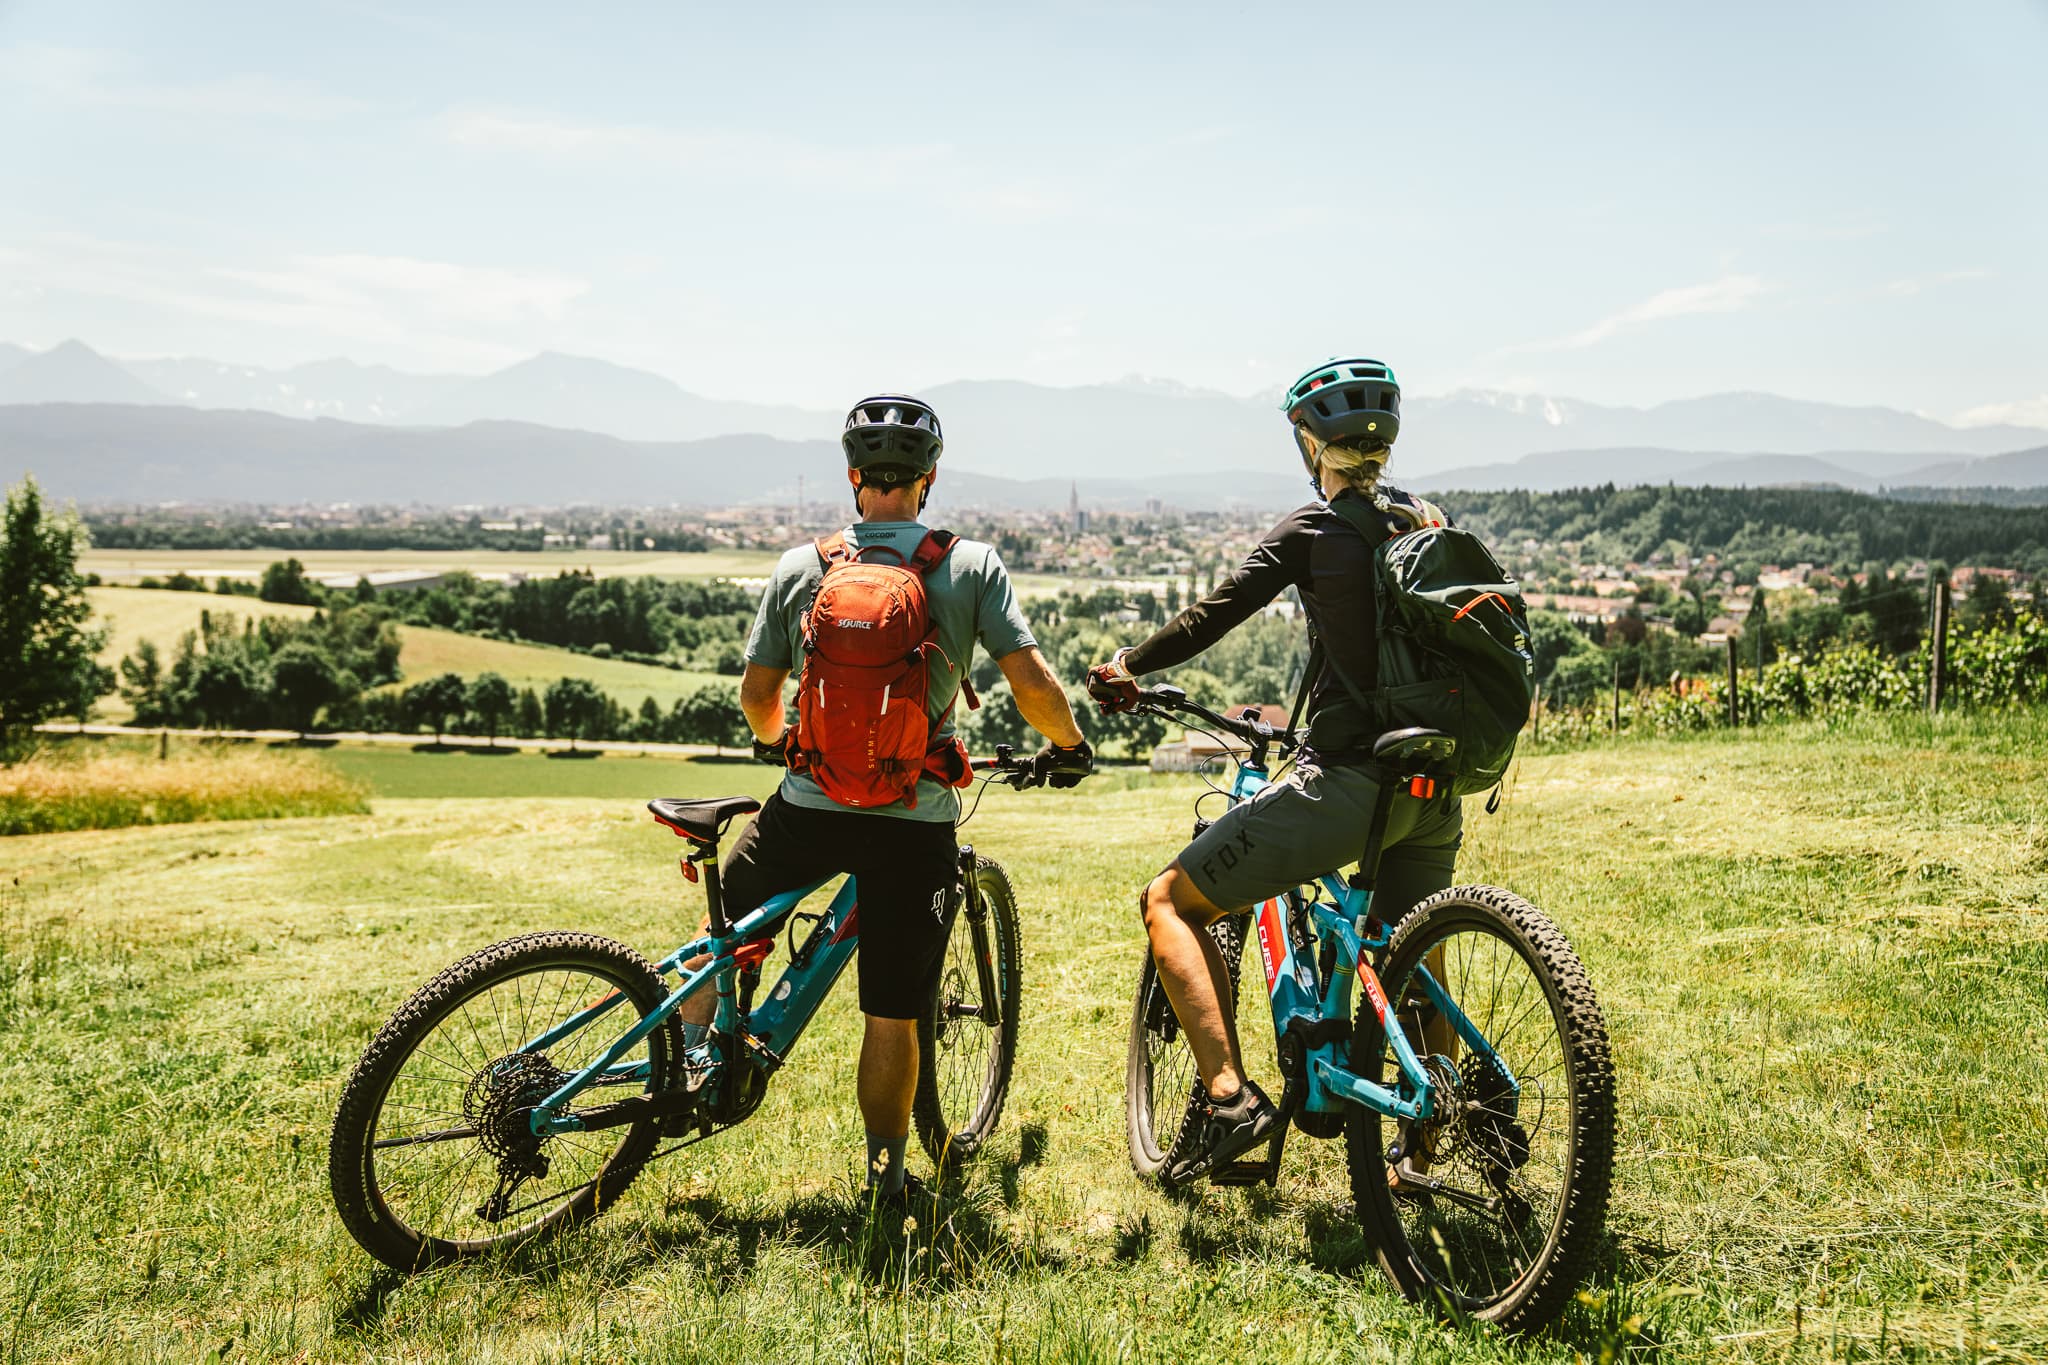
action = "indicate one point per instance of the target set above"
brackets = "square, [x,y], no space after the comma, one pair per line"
[963,1065]
[1515,1272]
[368,1182]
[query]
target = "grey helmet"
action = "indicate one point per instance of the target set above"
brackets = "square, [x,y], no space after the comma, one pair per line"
[890,432]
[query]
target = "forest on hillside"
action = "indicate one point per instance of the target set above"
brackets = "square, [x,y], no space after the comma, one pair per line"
[1754,526]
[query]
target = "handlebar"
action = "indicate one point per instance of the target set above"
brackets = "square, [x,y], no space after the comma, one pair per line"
[1169,700]
[1005,767]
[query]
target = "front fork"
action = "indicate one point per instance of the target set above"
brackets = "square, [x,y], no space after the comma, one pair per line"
[977,924]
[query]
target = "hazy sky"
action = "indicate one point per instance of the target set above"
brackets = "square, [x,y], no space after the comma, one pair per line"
[1624,203]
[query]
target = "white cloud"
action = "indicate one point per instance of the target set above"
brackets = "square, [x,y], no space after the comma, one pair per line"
[101,79]
[454,292]
[1916,284]
[747,155]
[1729,294]
[1850,230]
[2026,412]
[438,311]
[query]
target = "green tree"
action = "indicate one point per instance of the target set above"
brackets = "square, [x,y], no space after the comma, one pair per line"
[143,683]
[46,648]
[226,689]
[433,701]
[531,719]
[491,699]
[711,715]
[303,680]
[286,582]
[572,705]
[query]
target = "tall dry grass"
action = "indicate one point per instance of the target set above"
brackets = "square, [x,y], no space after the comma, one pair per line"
[52,792]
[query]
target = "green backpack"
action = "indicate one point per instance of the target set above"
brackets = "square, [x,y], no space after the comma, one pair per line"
[1454,648]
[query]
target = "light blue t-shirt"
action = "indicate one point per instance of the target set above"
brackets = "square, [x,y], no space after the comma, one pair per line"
[971,601]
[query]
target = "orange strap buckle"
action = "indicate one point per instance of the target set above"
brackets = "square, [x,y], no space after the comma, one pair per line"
[1424,787]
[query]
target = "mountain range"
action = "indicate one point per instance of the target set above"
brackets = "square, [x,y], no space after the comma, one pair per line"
[1137,428]
[124,453]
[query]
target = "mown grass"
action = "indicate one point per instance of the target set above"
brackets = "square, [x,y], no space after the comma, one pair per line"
[76,788]
[624,777]
[137,614]
[117,565]
[1823,966]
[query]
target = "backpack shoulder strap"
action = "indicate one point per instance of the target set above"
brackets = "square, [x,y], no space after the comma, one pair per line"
[931,550]
[833,549]
[1360,518]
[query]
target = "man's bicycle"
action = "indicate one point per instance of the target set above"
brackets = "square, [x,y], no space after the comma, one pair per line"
[1474,1085]
[524,1088]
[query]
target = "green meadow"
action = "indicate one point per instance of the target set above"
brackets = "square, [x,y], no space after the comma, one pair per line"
[135,614]
[1823,956]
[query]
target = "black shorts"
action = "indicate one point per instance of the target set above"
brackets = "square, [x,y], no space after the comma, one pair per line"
[907,870]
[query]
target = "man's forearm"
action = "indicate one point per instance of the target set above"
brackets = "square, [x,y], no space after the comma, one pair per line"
[1040,699]
[761,701]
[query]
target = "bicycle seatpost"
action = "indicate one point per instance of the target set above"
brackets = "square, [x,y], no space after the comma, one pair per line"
[1376,833]
[714,902]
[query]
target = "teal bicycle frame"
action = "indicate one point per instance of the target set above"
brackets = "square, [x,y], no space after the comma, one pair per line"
[1345,924]
[772,1028]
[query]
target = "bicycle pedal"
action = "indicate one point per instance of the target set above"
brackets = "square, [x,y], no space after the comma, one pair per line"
[1242,1173]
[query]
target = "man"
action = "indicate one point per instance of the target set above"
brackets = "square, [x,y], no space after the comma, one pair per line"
[1345,415]
[902,852]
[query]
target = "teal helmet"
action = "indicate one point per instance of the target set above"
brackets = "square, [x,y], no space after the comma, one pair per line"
[893,433]
[1352,402]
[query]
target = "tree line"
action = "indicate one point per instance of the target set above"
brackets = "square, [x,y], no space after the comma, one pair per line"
[1748,527]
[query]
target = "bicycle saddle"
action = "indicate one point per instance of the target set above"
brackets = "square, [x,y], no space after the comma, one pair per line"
[700,820]
[1414,743]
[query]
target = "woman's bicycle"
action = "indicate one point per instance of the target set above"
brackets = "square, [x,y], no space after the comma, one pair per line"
[523,1089]
[1474,1086]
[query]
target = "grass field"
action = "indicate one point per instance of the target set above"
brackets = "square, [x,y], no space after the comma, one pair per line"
[1822,958]
[149,613]
[624,778]
[74,787]
[116,566]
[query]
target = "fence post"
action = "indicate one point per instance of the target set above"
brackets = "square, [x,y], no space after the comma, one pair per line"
[1937,675]
[1734,713]
[1536,715]
[1614,725]
[163,745]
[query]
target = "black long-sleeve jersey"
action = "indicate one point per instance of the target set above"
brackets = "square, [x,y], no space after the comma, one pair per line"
[1328,562]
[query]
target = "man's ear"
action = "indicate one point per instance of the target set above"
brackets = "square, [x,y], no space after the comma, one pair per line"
[853,477]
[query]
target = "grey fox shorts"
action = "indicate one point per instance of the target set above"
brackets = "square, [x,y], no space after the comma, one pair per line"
[1315,820]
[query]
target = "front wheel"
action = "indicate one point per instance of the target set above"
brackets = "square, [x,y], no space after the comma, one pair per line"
[1502,1194]
[432,1158]
[967,1041]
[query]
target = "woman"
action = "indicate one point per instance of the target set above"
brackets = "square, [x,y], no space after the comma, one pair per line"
[1345,414]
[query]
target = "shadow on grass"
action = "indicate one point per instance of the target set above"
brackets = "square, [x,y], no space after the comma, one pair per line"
[1032,1143]
[574,753]
[305,742]
[942,1242]
[365,1308]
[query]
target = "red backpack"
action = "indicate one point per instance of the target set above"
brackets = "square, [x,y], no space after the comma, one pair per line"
[862,732]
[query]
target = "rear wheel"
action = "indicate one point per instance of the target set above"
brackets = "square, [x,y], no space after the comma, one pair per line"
[967,1043]
[432,1158]
[1522,1151]
[1160,1080]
